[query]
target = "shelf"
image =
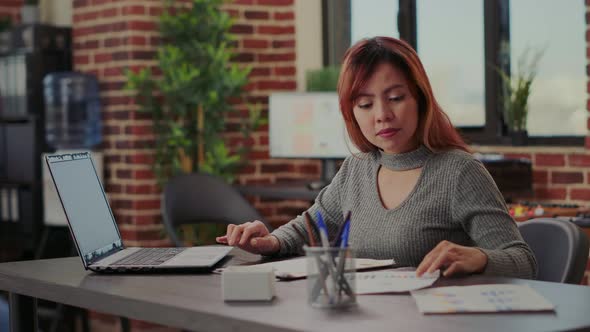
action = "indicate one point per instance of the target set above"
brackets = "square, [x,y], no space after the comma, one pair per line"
[13,183]
[17,119]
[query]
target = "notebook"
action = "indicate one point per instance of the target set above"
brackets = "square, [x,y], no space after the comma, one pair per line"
[95,231]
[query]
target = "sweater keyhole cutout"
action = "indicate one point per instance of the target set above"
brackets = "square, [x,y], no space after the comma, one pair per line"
[394,187]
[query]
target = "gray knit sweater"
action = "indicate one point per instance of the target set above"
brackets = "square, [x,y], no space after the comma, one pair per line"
[455,199]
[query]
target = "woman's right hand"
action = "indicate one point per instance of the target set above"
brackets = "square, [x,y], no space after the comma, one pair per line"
[253,237]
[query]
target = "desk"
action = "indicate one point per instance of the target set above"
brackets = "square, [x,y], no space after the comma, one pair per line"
[279,191]
[194,302]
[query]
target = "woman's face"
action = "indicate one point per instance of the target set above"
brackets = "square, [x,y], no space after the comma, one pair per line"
[386,111]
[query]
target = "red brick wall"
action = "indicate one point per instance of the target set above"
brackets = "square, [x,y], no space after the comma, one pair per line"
[560,174]
[11,8]
[266,41]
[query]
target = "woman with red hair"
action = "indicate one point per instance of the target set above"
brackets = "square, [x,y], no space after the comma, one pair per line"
[415,192]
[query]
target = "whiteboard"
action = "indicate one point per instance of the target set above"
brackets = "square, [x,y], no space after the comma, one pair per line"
[307,125]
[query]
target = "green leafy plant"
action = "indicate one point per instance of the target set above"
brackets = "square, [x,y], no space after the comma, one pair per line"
[189,102]
[518,87]
[324,79]
[191,99]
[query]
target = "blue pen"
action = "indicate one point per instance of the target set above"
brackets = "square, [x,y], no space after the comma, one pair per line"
[344,237]
[338,238]
[343,284]
[329,260]
[323,230]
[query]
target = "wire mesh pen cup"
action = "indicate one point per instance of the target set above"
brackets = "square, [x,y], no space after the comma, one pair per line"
[330,277]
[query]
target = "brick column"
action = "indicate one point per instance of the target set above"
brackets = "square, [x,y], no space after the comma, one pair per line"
[109,36]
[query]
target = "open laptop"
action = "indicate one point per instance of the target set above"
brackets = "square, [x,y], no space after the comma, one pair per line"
[95,231]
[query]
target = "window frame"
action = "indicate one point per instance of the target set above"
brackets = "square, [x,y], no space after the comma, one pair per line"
[336,17]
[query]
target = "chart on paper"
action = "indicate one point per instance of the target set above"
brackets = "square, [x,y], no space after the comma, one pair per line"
[480,298]
[377,282]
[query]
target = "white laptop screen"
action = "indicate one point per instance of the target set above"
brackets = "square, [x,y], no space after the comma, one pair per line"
[85,204]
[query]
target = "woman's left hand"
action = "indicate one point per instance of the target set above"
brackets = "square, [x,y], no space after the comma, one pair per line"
[453,259]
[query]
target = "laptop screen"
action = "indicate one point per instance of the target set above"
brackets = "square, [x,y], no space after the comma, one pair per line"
[85,204]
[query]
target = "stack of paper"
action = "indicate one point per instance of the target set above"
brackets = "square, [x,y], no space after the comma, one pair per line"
[480,298]
[297,267]
[377,282]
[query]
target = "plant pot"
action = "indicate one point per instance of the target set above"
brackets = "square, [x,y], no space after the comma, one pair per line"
[519,138]
[29,14]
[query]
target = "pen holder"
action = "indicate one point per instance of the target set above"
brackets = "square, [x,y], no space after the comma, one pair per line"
[329,277]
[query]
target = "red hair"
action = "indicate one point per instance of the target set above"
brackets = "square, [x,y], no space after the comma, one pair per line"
[434,130]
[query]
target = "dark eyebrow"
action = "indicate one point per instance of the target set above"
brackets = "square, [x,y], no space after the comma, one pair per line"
[387,90]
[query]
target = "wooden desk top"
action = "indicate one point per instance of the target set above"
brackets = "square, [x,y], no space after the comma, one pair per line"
[194,302]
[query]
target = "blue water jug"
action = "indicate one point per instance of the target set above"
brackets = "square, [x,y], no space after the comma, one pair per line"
[72,110]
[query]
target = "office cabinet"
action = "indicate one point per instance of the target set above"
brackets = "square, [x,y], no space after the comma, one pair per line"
[27,54]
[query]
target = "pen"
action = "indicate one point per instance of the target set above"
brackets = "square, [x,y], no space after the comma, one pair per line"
[323,230]
[330,263]
[342,259]
[321,282]
[345,233]
[309,228]
[337,238]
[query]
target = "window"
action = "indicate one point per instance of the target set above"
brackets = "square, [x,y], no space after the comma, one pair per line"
[451,48]
[459,42]
[557,105]
[378,19]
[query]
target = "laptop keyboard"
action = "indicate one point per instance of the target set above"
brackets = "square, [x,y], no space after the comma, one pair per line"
[149,256]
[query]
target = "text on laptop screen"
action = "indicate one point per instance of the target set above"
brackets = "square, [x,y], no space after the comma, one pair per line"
[85,204]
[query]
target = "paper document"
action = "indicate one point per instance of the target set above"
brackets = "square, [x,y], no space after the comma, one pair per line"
[376,282]
[296,268]
[480,298]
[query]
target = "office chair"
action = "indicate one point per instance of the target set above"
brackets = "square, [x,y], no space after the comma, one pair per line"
[561,249]
[203,198]
[200,198]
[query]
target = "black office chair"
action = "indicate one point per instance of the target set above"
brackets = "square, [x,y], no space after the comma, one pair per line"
[561,249]
[203,198]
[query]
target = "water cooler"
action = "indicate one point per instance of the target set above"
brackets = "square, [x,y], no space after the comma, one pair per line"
[72,125]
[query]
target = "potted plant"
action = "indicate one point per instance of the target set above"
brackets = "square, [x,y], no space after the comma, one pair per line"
[322,80]
[190,100]
[30,12]
[518,90]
